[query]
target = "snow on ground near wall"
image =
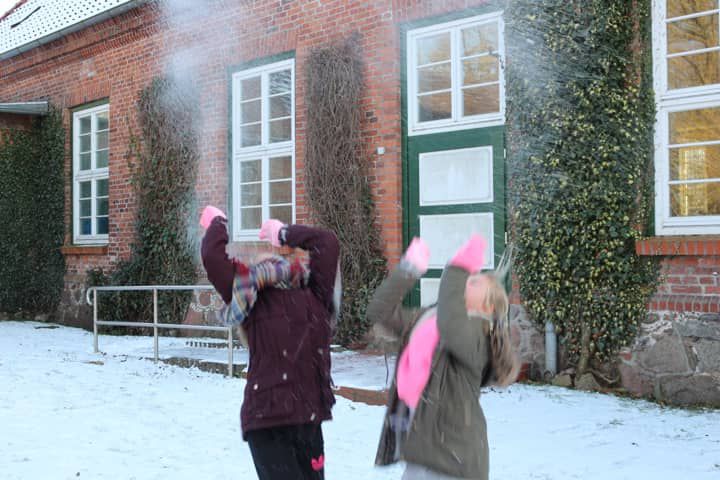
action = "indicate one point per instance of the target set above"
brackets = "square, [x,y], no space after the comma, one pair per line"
[349,369]
[67,413]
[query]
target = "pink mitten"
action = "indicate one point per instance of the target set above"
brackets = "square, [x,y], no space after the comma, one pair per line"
[270,230]
[418,255]
[208,214]
[471,256]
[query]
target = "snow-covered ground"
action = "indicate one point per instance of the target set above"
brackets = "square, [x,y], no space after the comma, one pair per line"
[67,413]
[349,369]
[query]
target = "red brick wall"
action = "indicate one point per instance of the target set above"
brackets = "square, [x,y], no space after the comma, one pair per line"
[9,121]
[689,273]
[115,59]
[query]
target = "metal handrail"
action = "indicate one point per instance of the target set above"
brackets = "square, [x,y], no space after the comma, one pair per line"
[154,325]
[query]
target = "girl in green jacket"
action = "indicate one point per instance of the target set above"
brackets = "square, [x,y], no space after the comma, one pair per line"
[447,353]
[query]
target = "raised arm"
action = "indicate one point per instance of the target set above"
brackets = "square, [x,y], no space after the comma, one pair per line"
[385,308]
[462,335]
[324,251]
[322,246]
[220,269]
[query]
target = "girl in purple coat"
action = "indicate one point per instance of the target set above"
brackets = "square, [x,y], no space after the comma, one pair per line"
[287,312]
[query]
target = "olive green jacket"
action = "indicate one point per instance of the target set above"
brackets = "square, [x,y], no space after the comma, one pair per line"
[447,432]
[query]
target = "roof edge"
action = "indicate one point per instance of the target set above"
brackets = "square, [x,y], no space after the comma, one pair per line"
[12,9]
[70,29]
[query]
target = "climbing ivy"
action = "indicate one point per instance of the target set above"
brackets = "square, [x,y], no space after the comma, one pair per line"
[338,189]
[580,126]
[31,211]
[164,164]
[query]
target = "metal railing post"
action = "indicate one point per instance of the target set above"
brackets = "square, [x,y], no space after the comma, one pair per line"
[155,321]
[230,352]
[156,325]
[95,325]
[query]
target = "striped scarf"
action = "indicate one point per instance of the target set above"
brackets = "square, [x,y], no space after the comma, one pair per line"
[274,271]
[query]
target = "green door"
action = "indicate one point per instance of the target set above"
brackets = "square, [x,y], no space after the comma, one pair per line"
[453,139]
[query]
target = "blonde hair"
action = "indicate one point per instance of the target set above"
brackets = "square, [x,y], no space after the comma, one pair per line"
[504,362]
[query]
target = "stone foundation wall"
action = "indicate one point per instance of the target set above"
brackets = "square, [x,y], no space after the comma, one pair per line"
[676,359]
[529,342]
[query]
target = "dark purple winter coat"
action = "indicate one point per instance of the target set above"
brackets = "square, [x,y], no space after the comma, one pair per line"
[289,332]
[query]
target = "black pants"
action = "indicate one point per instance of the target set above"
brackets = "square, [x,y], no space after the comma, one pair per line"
[288,453]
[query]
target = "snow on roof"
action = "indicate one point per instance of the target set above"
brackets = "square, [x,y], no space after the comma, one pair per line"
[30,23]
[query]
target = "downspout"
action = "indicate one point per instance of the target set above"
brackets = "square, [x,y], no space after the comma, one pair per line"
[550,350]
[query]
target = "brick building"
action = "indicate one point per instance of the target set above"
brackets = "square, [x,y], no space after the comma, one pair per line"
[433,109]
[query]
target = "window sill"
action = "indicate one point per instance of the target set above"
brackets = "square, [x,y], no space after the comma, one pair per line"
[689,245]
[84,249]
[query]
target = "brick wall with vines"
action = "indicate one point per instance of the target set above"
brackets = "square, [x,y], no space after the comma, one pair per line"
[580,126]
[31,208]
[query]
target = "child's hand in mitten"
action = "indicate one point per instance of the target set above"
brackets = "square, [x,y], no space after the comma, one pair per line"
[418,255]
[471,256]
[270,231]
[208,214]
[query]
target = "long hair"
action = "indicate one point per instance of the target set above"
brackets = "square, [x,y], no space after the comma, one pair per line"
[504,362]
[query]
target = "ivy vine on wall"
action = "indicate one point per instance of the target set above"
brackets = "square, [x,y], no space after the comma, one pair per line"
[580,140]
[338,190]
[164,170]
[32,202]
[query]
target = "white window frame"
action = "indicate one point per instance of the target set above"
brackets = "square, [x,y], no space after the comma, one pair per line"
[265,150]
[456,121]
[669,101]
[252,234]
[92,175]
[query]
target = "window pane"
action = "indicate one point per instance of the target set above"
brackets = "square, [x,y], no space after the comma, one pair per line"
[281,192]
[678,8]
[251,194]
[102,206]
[250,88]
[101,140]
[433,49]
[436,77]
[85,125]
[695,163]
[102,226]
[284,214]
[250,171]
[434,107]
[85,189]
[250,135]
[695,199]
[101,159]
[85,161]
[280,130]
[693,34]
[480,70]
[85,226]
[280,106]
[480,100]
[250,111]
[480,39]
[280,167]
[84,143]
[85,208]
[280,82]
[694,70]
[102,121]
[102,188]
[455,176]
[700,125]
[250,218]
